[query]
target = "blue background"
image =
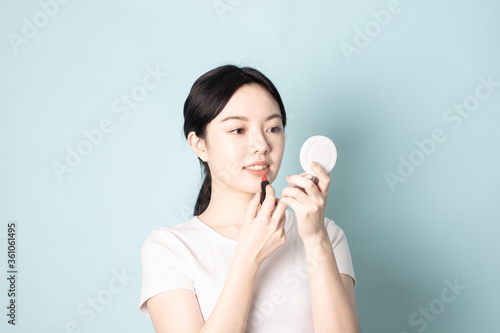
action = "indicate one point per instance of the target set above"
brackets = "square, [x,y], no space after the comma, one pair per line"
[440,222]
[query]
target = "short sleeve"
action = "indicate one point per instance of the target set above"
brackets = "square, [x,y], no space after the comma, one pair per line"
[163,267]
[340,249]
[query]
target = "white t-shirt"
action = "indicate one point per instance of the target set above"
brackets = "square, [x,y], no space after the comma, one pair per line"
[194,256]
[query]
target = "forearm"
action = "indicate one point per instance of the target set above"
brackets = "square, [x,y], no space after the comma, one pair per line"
[230,313]
[331,307]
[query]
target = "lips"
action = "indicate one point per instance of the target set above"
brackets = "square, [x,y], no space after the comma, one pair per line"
[257,173]
[251,166]
[258,163]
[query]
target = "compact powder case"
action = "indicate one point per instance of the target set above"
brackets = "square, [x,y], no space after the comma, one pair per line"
[320,149]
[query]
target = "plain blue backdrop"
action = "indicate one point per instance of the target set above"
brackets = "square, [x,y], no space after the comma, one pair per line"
[407,90]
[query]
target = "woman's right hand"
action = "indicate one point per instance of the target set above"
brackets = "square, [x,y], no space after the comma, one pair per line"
[262,231]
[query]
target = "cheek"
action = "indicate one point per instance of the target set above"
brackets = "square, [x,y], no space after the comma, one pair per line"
[279,146]
[231,160]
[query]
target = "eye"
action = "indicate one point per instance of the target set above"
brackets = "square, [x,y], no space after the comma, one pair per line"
[276,129]
[236,129]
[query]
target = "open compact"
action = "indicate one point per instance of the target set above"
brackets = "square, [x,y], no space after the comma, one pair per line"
[321,150]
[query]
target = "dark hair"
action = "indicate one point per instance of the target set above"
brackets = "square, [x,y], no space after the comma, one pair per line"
[208,96]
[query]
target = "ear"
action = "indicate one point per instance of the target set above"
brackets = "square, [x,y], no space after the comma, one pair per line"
[198,145]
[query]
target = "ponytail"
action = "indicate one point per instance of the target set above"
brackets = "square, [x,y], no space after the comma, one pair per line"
[205,191]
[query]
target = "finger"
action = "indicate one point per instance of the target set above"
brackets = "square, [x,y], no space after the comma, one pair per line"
[251,212]
[301,181]
[268,204]
[310,187]
[279,213]
[323,176]
[297,207]
[296,193]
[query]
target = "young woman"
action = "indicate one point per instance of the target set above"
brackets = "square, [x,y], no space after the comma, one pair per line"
[238,265]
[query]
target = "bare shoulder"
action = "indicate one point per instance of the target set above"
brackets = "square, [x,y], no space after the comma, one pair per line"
[175,311]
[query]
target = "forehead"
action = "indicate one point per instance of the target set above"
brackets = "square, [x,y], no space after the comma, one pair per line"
[250,101]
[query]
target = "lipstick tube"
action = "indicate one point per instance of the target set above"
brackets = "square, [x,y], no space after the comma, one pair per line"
[263,185]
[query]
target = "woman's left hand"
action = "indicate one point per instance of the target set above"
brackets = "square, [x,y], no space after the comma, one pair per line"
[309,207]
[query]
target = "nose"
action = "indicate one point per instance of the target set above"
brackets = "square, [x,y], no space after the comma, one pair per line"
[258,143]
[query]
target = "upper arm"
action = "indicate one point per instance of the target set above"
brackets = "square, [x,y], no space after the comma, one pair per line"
[175,311]
[167,292]
[349,287]
[341,249]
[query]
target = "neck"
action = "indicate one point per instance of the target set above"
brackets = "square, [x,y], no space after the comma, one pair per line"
[227,208]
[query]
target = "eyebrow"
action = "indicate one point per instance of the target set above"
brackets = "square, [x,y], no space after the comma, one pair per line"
[276,115]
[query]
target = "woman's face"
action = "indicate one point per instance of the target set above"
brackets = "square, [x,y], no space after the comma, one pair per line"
[248,130]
